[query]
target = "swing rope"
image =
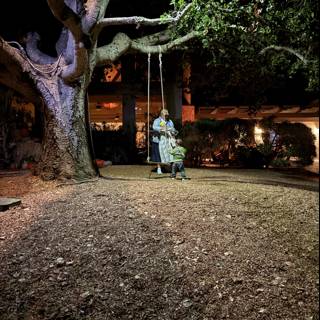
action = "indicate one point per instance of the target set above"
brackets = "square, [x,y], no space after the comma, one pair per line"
[148,101]
[161,78]
[148,111]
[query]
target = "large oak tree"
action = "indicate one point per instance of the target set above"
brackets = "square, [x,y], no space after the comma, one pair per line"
[60,83]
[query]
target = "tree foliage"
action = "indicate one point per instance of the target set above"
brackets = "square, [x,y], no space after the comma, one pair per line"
[283,141]
[232,142]
[216,140]
[251,46]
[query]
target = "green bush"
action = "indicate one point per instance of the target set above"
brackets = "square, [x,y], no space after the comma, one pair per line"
[280,163]
[249,157]
[216,139]
[231,142]
[286,140]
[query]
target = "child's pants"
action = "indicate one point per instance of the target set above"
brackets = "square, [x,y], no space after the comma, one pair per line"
[178,166]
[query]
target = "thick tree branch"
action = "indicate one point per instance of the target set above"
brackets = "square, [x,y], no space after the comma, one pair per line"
[70,20]
[67,17]
[156,38]
[122,43]
[66,46]
[34,53]
[12,55]
[15,72]
[140,46]
[62,42]
[142,21]
[18,53]
[111,52]
[280,48]
[94,11]
[80,43]
[73,71]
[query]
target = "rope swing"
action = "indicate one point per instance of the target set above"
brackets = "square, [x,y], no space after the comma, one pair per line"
[148,111]
[161,78]
[148,104]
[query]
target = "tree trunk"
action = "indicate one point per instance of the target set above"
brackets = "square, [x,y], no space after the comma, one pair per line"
[65,144]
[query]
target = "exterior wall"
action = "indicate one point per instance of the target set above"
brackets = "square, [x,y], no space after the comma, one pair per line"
[314,126]
[188,113]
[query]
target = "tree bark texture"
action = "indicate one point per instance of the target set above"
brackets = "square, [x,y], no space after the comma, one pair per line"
[65,143]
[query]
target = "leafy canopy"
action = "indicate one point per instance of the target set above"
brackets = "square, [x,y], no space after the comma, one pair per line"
[254,44]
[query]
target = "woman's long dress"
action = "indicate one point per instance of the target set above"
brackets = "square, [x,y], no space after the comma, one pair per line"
[166,143]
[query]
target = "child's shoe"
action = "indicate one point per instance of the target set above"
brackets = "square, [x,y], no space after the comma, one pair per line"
[159,171]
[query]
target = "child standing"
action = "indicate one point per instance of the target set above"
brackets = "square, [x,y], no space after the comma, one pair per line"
[178,153]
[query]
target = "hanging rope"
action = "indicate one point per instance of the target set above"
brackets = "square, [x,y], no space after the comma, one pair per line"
[45,69]
[161,83]
[148,103]
[161,78]
[148,111]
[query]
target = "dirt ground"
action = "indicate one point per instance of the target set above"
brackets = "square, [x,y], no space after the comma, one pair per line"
[227,244]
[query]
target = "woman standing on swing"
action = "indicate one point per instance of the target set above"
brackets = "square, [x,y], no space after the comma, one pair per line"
[163,139]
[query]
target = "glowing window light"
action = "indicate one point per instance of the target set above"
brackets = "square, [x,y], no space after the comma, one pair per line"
[258,130]
[315,131]
[258,135]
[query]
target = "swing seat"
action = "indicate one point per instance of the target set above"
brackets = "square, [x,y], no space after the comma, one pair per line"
[154,166]
[156,163]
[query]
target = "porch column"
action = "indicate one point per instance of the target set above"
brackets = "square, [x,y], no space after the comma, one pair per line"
[173,86]
[129,105]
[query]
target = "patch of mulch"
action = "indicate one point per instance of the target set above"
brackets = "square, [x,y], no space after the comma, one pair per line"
[158,249]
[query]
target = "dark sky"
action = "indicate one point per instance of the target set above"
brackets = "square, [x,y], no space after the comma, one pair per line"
[32,15]
[26,15]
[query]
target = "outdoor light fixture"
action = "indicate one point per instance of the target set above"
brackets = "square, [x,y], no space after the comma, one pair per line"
[106,105]
[109,105]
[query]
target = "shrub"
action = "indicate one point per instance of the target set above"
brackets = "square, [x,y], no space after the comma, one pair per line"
[216,139]
[249,157]
[231,142]
[285,140]
[280,163]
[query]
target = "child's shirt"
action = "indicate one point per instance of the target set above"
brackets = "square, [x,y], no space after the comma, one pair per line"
[178,153]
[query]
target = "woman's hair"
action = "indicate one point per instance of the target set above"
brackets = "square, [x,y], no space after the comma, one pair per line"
[164,112]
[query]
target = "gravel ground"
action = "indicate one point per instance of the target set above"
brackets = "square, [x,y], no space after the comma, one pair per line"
[227,244]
